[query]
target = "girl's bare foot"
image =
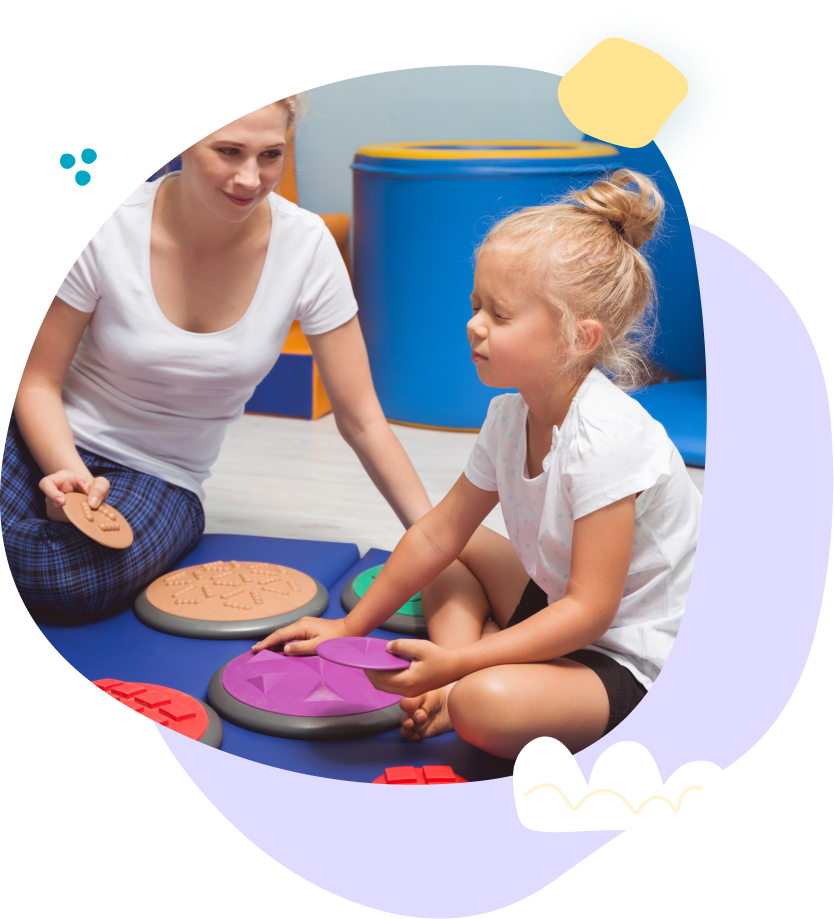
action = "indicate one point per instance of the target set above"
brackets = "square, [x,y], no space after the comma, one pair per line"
[426,715]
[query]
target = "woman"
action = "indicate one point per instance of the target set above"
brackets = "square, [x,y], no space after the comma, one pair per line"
[174,312]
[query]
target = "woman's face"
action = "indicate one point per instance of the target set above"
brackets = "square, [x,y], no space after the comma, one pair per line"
[234,169]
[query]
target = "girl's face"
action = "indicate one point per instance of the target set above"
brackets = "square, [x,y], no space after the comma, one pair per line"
[234,169]
[514,337]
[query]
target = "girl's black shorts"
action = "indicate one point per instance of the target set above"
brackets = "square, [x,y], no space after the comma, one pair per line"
[624,691]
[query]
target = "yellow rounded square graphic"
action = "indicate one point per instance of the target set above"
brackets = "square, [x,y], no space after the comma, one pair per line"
[621,92]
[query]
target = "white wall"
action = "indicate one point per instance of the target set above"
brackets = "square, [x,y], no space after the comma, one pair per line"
[431,103]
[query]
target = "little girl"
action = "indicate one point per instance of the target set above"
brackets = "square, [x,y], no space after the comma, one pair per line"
[561,629]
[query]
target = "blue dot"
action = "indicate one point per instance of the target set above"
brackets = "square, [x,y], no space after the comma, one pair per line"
[82,177]
[67,160]
[89,155]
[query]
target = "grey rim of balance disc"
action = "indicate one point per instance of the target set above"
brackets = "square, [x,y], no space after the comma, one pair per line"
[213,734]
[405,625]
[297,727]
[250,629]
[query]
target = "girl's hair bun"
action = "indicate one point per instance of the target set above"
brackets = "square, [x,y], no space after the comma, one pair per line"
[628,201]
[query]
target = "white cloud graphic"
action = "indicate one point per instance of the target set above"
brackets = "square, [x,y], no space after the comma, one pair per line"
[551,794]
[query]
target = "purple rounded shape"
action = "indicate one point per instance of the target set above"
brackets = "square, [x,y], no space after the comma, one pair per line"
[364,653]
[306,686]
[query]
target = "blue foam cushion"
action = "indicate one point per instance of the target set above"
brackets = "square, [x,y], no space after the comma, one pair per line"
[287,389]
[123,648]
[681,407]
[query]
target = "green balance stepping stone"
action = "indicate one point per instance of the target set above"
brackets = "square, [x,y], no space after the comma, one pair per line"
[408,620]
[414,607]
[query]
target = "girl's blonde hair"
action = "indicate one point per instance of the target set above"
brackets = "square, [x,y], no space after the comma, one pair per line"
[583,253]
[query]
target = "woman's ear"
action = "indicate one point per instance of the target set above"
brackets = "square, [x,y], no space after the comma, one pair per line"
[588,336]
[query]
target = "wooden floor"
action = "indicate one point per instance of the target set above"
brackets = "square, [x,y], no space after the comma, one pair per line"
[299,479]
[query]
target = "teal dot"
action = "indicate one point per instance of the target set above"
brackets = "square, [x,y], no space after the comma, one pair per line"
[82,177]
[67,160]
[89,155]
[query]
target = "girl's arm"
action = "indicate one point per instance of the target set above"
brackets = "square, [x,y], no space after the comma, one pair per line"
[39,410]
[343,363]
[431,545]
[600,556]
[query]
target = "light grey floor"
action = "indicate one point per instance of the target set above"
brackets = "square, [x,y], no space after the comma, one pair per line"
[299,479]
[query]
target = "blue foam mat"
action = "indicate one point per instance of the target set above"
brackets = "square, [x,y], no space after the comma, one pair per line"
[123,648]
[681,407]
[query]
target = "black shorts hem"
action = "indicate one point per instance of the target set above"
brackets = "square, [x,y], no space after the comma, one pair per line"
[624,690]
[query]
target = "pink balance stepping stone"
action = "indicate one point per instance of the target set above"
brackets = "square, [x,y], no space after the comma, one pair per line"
[306,686]
[364,653]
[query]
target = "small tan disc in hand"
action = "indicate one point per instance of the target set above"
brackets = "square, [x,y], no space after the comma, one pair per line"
[231,591]
[104,523]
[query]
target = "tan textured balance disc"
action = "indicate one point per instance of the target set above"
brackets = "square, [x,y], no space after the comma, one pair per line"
[231,591]
[104,523]
[230,600]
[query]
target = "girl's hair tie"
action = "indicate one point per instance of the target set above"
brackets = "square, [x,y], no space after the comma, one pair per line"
[617,226]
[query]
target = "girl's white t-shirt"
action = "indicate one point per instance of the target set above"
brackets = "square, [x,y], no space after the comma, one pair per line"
[154,397]
[608,447]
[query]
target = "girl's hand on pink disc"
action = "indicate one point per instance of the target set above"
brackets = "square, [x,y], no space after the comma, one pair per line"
[60,483]
[431,667]
[304,635]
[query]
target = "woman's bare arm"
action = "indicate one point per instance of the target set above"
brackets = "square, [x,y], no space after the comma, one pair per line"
[342,360]
[39,409]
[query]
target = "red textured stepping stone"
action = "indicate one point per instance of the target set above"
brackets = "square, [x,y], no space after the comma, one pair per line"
[127,690]
[179,711]
[419,775]
[152,698]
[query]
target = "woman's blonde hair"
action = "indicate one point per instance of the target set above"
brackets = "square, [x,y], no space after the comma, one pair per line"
[583,253]
[296,107]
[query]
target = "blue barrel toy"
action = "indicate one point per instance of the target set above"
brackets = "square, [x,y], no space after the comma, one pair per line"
[420,210]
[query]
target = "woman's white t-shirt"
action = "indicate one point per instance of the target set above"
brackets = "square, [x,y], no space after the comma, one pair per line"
[608,447]
[154,397]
